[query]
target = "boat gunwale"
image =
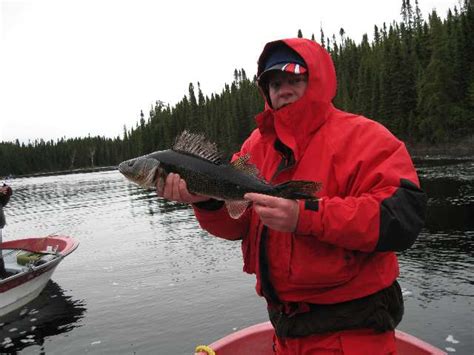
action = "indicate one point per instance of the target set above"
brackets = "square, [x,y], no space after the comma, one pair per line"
[263,331]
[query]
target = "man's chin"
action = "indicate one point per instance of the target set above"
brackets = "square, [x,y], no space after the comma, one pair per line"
[284,105]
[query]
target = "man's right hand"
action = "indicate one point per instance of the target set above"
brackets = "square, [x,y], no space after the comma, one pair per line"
[175,189]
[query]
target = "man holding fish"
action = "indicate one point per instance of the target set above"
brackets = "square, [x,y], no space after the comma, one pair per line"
[325,263]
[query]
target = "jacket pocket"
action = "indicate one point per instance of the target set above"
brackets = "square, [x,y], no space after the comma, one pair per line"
[319,264]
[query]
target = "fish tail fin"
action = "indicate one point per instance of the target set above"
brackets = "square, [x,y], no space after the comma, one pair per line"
[298,189]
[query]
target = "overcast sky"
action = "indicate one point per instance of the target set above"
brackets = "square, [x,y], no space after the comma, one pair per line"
[69,68]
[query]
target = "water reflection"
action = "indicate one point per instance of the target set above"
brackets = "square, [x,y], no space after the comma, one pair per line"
[438,265]
[143,260]
[450,218]
[449,184]
[38,201]
[51,313]
[454,169]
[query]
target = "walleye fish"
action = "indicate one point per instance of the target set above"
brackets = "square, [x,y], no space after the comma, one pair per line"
[199,163]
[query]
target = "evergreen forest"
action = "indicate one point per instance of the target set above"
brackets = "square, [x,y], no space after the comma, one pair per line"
[415,76]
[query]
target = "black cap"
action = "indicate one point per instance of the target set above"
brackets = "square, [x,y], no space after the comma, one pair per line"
[285,59]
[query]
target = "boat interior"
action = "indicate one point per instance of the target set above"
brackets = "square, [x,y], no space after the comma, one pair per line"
[20,261]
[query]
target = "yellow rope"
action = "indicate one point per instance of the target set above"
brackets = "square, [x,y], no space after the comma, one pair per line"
[204,348]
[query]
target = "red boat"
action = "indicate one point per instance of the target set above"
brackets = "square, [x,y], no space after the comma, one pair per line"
[258,339]
[29,264]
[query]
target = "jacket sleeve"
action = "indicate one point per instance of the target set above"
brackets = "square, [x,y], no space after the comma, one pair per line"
[380,206]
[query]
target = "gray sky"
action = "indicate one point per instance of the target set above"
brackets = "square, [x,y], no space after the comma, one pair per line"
[74,67]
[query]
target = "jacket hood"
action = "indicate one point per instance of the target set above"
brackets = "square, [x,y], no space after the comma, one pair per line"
[321,72]
[294,124]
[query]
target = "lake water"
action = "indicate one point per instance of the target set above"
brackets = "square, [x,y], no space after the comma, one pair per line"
[147,280]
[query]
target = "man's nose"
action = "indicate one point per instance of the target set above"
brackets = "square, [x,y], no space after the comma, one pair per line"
[285,87]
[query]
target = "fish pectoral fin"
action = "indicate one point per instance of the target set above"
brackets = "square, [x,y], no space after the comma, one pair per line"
[243,164]
[236,208]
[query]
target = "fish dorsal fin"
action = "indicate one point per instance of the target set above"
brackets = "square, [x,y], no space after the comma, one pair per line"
[236,208]
[242,164]
[197,145]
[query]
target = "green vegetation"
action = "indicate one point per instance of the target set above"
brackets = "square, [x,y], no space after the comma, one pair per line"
[416,77]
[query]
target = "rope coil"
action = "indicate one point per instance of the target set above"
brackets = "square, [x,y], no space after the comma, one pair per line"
[204,349]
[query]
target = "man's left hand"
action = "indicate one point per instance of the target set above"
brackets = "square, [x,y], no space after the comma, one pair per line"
[275,212]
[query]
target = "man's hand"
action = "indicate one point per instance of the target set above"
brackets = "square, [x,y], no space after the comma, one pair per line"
[175,189]
[5,193]
[4,189]
[275,212]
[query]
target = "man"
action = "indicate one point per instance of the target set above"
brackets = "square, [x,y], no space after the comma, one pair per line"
[327,269]
[5,193]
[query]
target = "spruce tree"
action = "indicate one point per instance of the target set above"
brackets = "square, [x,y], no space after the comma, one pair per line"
[436,86]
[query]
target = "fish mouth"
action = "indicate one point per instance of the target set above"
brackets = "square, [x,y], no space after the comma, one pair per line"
[141,171]
[121,167]
[127,169]
[125,166]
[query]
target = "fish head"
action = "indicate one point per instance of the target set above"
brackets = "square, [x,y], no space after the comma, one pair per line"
[143,171]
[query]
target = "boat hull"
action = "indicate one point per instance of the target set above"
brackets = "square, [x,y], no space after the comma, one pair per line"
[18,293]
[26,281]
[258,339]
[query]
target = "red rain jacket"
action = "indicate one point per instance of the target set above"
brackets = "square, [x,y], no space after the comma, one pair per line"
[370,204]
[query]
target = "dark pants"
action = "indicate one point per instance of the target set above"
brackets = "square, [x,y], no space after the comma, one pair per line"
[3,273]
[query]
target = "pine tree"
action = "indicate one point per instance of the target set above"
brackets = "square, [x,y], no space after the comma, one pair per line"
[416,76]
[436,86]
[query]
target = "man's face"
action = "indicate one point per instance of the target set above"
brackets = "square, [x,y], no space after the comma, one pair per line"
[285,88]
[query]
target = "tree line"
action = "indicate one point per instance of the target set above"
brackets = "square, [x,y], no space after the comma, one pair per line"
[415,76]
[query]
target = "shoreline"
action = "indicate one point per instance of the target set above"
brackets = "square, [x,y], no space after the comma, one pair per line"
[63,172]
[464,148]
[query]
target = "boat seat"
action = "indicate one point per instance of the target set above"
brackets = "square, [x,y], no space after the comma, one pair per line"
[14,268]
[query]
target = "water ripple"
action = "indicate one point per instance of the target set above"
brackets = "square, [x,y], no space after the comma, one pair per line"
[145,268]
